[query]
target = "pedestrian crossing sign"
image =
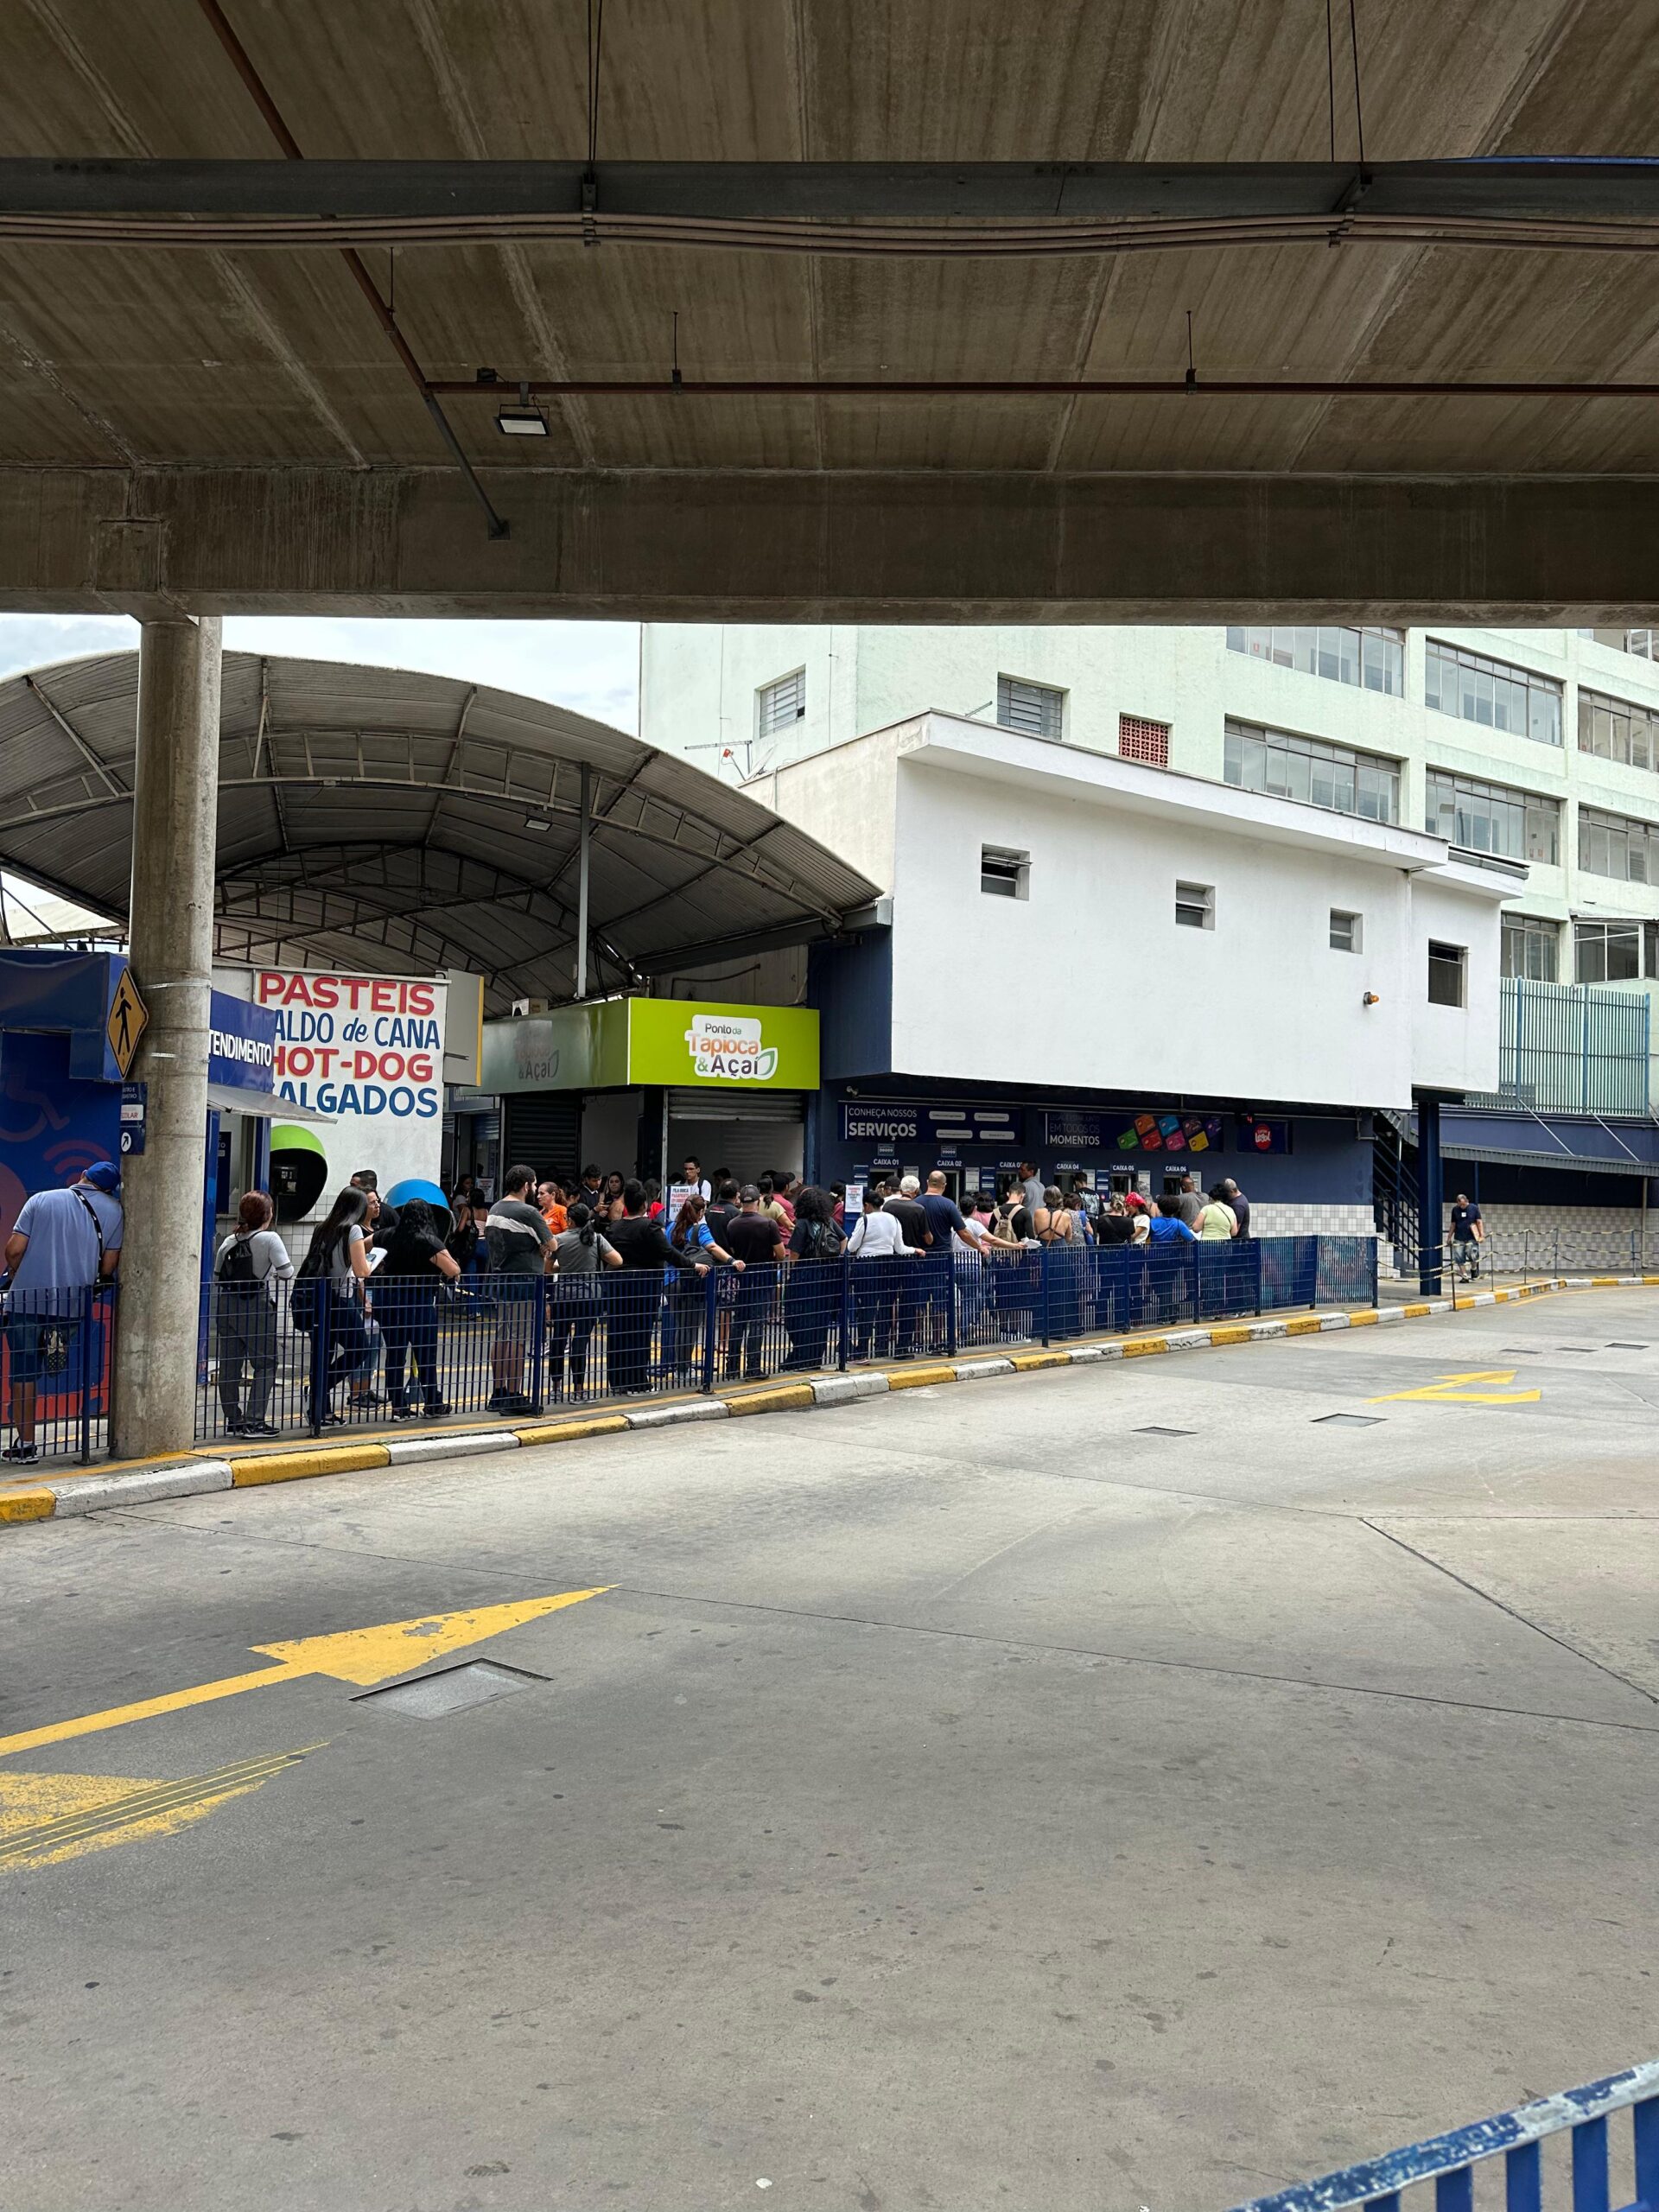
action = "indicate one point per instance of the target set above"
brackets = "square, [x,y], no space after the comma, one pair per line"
[128,1016]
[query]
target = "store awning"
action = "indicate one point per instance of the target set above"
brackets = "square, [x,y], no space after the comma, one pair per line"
[262,1105]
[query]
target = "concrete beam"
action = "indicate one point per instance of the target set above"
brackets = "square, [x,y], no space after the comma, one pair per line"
[848,546]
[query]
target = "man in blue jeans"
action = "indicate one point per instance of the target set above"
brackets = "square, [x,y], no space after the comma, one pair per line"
[63,1243]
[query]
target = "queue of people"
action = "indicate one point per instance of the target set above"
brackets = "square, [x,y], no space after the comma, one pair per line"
[598,1283]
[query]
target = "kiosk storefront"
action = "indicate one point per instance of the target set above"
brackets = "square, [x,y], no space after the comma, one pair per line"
[644,1081]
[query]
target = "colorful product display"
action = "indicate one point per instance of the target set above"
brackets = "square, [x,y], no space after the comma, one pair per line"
[1165,1133]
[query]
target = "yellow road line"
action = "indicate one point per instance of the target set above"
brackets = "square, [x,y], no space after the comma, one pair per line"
[143,1803]
[90,1724]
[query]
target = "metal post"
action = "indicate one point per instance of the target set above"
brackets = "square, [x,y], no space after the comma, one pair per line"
[583,835]
[710,1331]
[1042,1255]
[846,1313]
[91,1361]
[175,813]
[1431,1199]
[538,1344]
[320,1355]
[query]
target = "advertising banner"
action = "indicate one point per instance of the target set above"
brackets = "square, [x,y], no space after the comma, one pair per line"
[369,1050]
[1154,1132]
[241,1044]
[1260,1133]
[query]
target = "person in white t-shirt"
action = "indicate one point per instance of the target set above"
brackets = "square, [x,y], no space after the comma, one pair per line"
[878,1238]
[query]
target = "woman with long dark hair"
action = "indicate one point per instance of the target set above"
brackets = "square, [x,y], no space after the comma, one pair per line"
[812,1286]
[687,1295]
[339,1262]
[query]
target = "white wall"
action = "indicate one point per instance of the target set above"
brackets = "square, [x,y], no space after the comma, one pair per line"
[1091,982]
[1454,1048]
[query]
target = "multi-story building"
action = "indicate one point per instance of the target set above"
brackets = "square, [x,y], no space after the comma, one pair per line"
[1533,754]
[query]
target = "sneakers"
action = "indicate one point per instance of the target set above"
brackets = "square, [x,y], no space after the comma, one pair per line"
[20,1452]
[258,1428]
[404,1413]
[436,1410]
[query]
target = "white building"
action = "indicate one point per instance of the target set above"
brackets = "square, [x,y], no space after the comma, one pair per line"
[1417,781]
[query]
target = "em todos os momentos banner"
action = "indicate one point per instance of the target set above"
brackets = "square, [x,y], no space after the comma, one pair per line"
[369,1050]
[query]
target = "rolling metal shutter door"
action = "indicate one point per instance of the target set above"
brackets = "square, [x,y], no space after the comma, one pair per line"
[542,1129]
[747,1126]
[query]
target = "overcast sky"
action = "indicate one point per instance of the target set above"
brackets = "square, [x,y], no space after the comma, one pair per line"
[592,666]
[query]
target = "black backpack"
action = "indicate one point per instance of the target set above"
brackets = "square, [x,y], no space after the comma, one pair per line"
[235,1272]
[305,1300]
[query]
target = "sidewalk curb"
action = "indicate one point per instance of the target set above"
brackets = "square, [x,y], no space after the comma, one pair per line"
[67,1494]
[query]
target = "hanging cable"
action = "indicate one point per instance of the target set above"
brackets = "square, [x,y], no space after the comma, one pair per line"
[1359,111]
[1330,76]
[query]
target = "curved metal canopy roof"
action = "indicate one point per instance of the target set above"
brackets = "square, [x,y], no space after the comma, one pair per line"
[379,818]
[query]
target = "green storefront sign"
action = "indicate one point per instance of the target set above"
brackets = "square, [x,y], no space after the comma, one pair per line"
[681,1043]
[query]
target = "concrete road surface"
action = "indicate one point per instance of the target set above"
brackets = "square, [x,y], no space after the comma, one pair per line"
[1105,1789]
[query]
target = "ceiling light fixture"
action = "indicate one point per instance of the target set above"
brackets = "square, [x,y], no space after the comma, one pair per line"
[524,421]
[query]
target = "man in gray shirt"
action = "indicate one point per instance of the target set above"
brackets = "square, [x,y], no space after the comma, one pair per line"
[518,1238]
[1031,1183]
[1192,1200]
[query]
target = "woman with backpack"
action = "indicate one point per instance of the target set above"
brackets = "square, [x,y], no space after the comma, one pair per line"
[247,1267]
[329,1301]
[574,1300]
[687,1297]
[812,1286]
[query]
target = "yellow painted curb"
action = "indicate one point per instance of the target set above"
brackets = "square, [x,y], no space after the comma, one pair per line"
[1235,1336]
[1025,1361]
[1362,1318]
[785,1396]
[1414,1312]
[562,1432]
[914,1378]
[1604,1282]
[1136,1347]
[37,1504]
[1305,1324]
[293,1466]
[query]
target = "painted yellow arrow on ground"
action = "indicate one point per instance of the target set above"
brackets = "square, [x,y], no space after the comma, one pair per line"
[1447,1391]
[364,1655]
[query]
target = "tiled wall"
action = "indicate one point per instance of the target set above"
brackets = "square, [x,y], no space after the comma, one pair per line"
[1270,1218]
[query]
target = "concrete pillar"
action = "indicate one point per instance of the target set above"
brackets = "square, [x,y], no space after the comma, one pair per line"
[1431,1197]
[174,812]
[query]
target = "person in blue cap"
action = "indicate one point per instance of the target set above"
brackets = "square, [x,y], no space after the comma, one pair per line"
[62,1242]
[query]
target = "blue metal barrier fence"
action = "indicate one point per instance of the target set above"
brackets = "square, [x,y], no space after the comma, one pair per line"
[1517,2137]
[278,1359]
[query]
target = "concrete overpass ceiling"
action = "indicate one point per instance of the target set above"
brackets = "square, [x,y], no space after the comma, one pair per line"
[167,360]
[390,820]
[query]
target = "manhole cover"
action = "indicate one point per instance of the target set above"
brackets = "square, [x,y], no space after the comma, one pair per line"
[1348,1421]
[433,1695]
[1166,1432]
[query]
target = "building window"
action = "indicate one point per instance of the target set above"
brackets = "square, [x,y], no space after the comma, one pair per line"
[1531,948]
[1374,659]
[1493,693]
[1491,818]
[1034,709]
[1345,932]
[781,704]
[1333,776]
[1615,952]
[1195,905]
[1445,966]
[1140,739]
[1612,844]
[1004,874]
[1615,730]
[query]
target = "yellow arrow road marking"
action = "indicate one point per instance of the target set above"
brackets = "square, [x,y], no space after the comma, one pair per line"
[363,1655]
[1445,1392]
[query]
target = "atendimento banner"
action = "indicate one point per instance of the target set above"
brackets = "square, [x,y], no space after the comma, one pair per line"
[367,1050]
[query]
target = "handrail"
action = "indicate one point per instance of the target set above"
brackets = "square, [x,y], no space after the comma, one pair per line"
[1377,2181]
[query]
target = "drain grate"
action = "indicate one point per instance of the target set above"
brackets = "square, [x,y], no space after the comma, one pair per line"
[432,1696]
[1348,1421]
[1619,1344]
[1164,1431]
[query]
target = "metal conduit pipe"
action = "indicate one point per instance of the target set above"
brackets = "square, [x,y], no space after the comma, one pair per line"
[981,388]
